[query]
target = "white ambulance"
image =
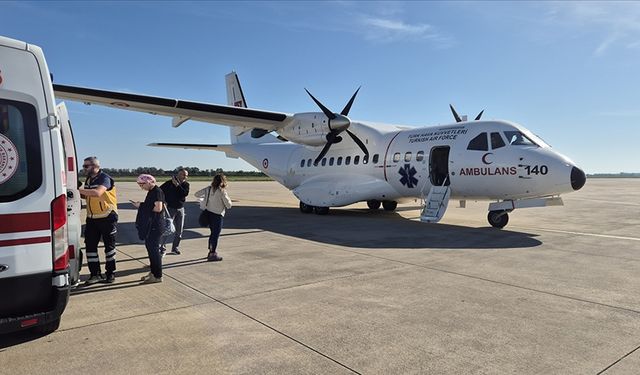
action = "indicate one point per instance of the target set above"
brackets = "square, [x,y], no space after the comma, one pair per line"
[40,207]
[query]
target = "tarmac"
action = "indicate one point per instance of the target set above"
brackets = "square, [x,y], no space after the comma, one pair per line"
[355,291]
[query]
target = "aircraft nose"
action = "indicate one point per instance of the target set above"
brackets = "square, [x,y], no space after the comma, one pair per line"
[578,178]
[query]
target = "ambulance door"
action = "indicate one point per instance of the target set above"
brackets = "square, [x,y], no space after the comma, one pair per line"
[73,196]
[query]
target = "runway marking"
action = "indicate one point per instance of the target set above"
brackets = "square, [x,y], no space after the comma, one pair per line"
[581,233]
[614,363]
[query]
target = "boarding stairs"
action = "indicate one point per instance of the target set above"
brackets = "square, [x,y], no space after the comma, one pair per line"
[435,203]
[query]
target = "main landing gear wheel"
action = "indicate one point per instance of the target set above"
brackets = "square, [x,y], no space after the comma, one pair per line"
[321,210]
[305,208]
[373,204]
[389,205]
[498,219]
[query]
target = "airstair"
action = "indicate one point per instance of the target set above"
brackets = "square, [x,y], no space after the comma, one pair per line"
[436,203]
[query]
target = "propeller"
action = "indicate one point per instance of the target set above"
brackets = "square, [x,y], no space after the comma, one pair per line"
[458,119]
[338,122]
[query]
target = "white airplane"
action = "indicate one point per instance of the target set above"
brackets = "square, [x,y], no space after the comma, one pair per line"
[380,164]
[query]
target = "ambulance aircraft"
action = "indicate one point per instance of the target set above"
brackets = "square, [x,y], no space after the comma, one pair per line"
[328,160]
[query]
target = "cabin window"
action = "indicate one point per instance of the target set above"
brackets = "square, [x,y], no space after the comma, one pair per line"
[375,159]
[396,157]
[309,163]
[479,143]
[339,160]
[516,138]
[365,159]
[302,163]
[496,141]
[331,160]
[420,156]
[347,160]
[407,157]
[324,161]
[356,159]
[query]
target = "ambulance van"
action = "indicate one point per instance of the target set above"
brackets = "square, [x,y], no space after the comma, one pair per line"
[40,207]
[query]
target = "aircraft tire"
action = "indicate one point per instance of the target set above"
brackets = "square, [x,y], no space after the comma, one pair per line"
[305,208]
[321,210]
[498,219]
[389,205]
[373,204]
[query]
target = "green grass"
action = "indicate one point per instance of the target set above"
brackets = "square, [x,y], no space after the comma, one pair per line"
[196,178]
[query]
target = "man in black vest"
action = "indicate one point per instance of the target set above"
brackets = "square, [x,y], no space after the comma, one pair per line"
[175,192]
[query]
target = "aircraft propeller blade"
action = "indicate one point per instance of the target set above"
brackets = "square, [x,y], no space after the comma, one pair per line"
[479,115]
[324,109]
[455,114]
[347,108]
[359,143]
[326,148]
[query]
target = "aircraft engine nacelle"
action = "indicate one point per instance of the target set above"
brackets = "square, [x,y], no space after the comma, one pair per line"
[307,128]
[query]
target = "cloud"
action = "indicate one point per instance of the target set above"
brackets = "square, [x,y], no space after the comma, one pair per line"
[616,24]
[387,30]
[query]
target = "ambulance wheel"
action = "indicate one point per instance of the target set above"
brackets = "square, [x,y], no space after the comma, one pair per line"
[373,204]
[305,208]
[498,219]
[389,205]
[321,210]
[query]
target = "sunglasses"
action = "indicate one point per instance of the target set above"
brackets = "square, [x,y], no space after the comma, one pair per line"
[87,166]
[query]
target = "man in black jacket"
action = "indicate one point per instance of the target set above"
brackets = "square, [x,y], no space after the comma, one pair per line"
[175,192]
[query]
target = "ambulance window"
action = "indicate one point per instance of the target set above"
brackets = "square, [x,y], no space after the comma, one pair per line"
[496,141]
[20,157]
[516,138]
[396,157]
[347,160]
[339,160]
[302,163]
[420,156]
[309,163]
[375,159]
[479,143]
[356,159]
[324,161]
[331,160]
[407,157]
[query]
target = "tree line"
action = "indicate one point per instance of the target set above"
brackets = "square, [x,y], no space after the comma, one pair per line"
[193,171]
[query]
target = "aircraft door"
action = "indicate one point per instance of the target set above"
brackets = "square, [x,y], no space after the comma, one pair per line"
[439,166]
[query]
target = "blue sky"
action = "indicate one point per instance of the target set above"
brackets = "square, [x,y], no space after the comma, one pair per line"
[569,71]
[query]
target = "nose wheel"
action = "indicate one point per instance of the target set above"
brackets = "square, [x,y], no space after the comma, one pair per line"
[498,219]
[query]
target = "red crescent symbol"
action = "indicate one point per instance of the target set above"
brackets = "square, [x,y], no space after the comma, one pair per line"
[484,158]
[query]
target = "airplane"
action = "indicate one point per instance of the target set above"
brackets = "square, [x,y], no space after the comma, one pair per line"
[328,160]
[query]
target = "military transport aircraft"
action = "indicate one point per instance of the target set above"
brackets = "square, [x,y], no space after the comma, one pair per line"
[328,160]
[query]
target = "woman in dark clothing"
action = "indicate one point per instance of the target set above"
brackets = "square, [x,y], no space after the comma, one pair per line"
[149,225]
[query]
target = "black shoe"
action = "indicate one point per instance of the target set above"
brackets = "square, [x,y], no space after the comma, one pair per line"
[175,252]
[111,278]
[93,279]
[213,257]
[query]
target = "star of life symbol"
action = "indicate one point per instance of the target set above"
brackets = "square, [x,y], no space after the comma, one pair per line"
[8,159]
[407,172]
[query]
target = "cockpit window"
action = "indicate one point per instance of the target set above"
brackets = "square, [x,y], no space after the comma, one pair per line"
[479,143]
[516,138]
[496,141]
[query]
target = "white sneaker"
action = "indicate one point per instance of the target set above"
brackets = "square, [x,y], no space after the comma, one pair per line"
[152,280]
[143,278]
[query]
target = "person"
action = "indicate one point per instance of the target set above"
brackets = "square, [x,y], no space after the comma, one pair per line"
[102,220]
[149,222]
[215,201]
[175,191]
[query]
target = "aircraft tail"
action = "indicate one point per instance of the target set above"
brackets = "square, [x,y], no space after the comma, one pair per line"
[235,97]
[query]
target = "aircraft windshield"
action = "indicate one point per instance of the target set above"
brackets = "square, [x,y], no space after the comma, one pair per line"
[516,138]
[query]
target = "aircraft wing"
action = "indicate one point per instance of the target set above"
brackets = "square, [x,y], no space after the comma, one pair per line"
[228,149]
[180,110]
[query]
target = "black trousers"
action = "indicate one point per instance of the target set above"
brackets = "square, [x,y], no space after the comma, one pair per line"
[152,243]
[105,228]
[215,225]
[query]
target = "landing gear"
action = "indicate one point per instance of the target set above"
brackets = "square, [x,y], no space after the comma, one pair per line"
[498,219]
[389,205]
[373,204]
[305,208]
[321,210]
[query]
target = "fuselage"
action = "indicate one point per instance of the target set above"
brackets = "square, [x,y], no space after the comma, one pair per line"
[492,160]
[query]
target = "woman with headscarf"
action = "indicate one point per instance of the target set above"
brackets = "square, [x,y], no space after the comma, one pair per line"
[149,225]
[214,201]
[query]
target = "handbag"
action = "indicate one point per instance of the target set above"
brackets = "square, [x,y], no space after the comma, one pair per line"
[203,219]
[168,227]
